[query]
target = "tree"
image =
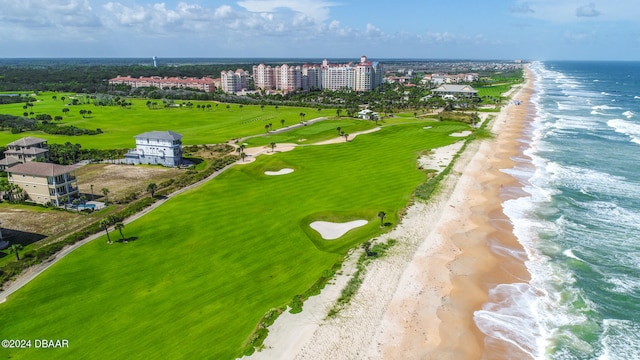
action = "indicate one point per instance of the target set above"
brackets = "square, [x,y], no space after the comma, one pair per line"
[382,215]
[119,226]
[83,112]
[339,113]
[105,223]
[15,249]
[92,197]
[243,156]
[282,122]
[228,107]
[105,192]
[151,188]
[272,145]
[367,248]
[241,106]
[346,136]
[75,203]
[339,130]
[65,201]
[65,110]
[266,127]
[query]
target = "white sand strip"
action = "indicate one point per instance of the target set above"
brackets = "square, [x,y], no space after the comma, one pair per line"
[331,231]
[279,172]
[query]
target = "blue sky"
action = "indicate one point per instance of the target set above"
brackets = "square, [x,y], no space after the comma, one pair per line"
[450,29]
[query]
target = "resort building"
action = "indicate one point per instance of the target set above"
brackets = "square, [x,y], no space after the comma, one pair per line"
[25,150]
[232,82]
[458,91]
[157,148]
[45,182]
[206,84]
[362,76]
[264,77]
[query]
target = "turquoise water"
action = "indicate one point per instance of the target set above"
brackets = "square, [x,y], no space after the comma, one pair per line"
[580,223]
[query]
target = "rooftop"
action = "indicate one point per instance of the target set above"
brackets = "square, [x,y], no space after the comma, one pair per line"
[27,141]
[40,169]
[162,135]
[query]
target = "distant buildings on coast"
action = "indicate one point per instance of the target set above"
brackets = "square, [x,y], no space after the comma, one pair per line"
[364,75]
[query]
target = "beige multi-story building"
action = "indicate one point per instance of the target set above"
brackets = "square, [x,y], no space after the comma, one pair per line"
[45,182]
[232,82]
[28,149]
[264,77]
[363,76]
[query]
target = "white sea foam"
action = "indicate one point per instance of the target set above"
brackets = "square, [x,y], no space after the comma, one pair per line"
[620,339]
[569,253]
[626,127]
[509,317]
[628,114]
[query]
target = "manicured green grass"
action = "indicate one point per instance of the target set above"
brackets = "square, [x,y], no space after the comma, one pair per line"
[324,130]
[207,265]
[494,91]
[120,125]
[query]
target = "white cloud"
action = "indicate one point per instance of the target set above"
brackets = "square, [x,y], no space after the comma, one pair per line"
[317,10]
[588,10]
[575,10]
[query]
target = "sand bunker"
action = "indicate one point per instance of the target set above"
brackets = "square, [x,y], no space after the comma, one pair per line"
[461,134]
[332,231]
[279,172]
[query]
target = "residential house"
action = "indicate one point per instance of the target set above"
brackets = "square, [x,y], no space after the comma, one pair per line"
[45,182]
[367,114]
[25,150]
[157,148]
[458,91]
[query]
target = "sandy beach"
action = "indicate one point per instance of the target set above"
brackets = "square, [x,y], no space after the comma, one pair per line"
[418,301]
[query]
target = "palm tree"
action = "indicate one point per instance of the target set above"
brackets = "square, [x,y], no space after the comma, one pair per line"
[339,130]
[119,226]
[14,249]
[65,110]
[105,192]
[266,127]
[346,136]
[241,106]
[65,201]
[367,248]
[75,203]
[243,156]
[276,107]
[272,145]
[151,188]
[228,107]
[339,112]
[382,215]
[92,197]
[282,122]
[104,223]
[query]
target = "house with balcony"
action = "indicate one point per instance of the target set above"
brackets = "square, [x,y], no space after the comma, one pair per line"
[156,148]
[25,150]
[45,182]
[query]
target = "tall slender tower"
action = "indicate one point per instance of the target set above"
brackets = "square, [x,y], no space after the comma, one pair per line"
[155,64]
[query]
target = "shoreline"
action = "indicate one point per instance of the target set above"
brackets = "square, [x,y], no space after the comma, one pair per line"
[418,301]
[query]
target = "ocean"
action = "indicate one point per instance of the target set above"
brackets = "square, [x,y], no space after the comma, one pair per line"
[580,220]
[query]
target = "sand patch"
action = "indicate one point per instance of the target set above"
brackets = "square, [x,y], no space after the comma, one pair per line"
[279,172]
[440,157]
[461,134]
[331,231]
